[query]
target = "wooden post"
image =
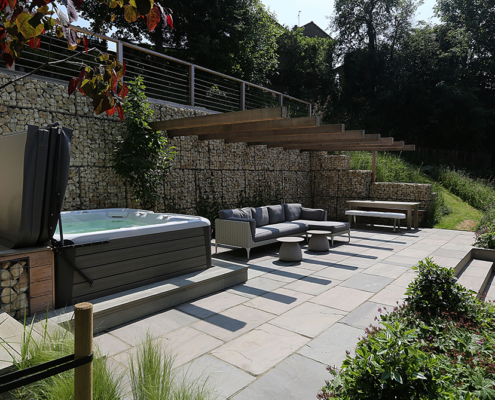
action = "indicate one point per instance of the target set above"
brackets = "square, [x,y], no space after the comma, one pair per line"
[83,346]
[373,168]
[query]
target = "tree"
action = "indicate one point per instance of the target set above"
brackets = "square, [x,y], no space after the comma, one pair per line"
[235,37]
[23,22]
[305,65]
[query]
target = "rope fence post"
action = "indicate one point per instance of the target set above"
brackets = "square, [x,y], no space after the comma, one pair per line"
[83,346]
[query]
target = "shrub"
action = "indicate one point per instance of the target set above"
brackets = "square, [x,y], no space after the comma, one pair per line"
[435,291]
[485,236]
[389,364]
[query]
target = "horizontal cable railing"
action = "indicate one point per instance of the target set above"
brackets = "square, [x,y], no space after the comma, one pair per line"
[166,78]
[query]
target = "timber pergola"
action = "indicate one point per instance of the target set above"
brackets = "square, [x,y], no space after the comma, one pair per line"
[271,127]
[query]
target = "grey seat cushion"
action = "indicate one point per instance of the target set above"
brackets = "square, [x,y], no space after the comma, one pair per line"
[276,214]
[236,213]
[292,211]
[314,214]
[330,226]
[260,214]
[278,230]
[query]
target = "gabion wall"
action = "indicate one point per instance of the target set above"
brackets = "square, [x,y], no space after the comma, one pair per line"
[207,175]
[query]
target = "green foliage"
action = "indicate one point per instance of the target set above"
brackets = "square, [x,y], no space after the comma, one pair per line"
[435,291]
[305,69]
[141,156]
[388,364]
[428,348]
[152,377]
[478,193]
[485,236]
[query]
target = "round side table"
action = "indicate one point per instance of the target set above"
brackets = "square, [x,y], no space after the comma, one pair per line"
[318,241]
[290,249]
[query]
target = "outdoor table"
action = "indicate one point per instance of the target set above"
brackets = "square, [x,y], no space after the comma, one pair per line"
[390,205]
[318,240]
[290,249]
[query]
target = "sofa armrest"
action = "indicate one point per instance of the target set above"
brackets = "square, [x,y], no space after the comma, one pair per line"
[234,232]
[252,223]
[314,214]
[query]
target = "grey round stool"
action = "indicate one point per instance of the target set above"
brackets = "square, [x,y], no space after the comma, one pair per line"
[290,249]
[318,241]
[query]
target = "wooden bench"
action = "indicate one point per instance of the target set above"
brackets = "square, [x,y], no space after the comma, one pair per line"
[379,214]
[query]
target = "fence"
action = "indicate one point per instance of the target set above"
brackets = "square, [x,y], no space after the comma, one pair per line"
[166,78]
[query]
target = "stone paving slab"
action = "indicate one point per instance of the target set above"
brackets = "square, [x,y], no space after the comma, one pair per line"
[308,319]
[367,282]
[256,287]
[295,378]
[364,315]
[279,301]
[342,298]
[221,378]
[260,349]
[312,285]
[233,322]
[211,304]
[386,270]
[338,271]
[329,348]
[390,295]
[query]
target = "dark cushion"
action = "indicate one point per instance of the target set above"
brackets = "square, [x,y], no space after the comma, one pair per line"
[278,230]
[252,223]
[313,214]
[236,213]
[292,211]
[276,214]
[260,214]
[331,226]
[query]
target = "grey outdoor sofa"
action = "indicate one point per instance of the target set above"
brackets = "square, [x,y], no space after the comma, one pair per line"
[254,227]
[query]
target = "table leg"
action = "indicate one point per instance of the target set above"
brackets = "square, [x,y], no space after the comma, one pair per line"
[416,218]
[409,212]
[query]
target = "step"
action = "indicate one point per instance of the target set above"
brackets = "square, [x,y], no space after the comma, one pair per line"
[490,289]
[120,308]
[475,275]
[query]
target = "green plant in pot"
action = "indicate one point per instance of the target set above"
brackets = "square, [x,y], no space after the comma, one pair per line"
[142,156]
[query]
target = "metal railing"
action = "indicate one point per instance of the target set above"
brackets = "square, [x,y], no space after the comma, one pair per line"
[166,78]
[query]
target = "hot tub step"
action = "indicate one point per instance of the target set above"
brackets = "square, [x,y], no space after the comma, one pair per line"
[117,309]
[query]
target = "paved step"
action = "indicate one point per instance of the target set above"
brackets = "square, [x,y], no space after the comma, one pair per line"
[475,275]
[490,289]
[117,309]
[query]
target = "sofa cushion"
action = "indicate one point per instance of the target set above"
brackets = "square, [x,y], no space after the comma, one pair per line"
[236,213]
[330,226]
[278,230]
[276,214]
[252,223]
[313,214]
[292,211]
[260,214]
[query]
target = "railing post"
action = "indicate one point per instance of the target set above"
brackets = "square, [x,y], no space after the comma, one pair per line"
[83,346]
[120,54]
[281,100]
[191,84]
[310,109]
[243,96]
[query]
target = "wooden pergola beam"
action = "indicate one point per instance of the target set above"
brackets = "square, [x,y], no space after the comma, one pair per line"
[380,142]
[229,130]
[261,114]
[245,136]
[278,141]
[394,147]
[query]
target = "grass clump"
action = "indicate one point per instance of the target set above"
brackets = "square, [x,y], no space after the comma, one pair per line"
[438,345]
[152,377]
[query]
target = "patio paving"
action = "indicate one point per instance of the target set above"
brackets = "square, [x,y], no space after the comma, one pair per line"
[273,336]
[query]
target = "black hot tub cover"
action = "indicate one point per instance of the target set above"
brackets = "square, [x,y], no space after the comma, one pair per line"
[34,172]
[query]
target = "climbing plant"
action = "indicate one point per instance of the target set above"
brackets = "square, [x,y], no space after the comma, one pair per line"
[141,156]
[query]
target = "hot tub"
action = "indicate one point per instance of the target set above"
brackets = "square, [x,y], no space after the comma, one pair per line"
[112,250]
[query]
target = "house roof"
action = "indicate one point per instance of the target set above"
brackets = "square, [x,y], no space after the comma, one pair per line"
[312,30]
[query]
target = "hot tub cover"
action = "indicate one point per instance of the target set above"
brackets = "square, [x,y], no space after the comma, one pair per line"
[34,177]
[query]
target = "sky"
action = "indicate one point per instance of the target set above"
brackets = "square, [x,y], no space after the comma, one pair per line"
[318,10]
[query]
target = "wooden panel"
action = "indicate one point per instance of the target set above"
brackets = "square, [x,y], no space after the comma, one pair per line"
[106,286]
[42,303]
[163,249]
[232,129]
[40,288]
[138,241]
[224,118]
[119,269]
[40,273]
[41,258]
